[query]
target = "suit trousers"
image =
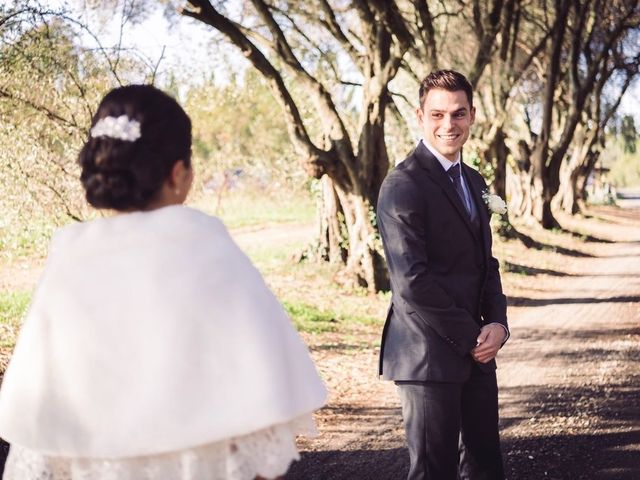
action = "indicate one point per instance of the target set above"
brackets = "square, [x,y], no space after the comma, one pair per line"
[452,428]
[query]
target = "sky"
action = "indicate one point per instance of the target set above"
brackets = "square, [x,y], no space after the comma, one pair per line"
[187,46]
[184,44]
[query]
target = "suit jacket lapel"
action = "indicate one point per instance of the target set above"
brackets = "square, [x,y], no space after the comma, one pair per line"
[437,173]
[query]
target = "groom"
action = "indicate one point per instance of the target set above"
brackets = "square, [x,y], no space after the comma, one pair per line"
[447,318]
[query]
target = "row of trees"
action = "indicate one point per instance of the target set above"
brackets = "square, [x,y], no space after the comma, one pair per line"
[548,76]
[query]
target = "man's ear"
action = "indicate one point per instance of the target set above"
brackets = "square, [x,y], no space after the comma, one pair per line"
[472,113]
[419,114]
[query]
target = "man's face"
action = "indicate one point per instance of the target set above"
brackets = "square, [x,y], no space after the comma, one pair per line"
[445,119]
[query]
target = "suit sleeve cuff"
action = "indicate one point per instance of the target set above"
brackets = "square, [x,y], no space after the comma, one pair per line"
[506,331]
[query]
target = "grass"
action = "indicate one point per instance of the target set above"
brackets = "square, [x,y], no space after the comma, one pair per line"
[13,306]
[24,238]
[310,319]
[25,241]
[247,208]
[269,257]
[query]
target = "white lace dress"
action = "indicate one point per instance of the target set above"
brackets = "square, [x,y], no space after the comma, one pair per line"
[266,453]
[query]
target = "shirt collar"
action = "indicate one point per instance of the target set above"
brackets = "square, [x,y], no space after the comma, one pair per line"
[445,162]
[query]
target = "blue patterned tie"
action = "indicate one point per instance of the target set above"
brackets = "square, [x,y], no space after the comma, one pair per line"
[454,173]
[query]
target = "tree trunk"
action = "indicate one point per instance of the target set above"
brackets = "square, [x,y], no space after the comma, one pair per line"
[585,173]
[331,239]
[568,193]
[500,152]
[540,207]
[544,186]
[497,156]
[531,195]
[567,196]
[347,235]
[358,195]
[365,266]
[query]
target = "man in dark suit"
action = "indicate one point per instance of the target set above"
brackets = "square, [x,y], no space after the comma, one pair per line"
[447,318]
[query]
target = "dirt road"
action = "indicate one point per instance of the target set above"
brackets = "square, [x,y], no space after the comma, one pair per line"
[569,377]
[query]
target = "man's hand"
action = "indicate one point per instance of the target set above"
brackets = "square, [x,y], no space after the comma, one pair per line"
[489,342]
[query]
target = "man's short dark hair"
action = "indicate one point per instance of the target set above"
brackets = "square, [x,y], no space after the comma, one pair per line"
[449,80]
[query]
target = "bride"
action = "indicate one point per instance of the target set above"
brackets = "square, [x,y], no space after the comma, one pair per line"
[152,348]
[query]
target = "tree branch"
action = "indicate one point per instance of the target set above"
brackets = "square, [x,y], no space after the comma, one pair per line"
[427,32]
[331,23]
[337,131]
[317,162]
[50,114]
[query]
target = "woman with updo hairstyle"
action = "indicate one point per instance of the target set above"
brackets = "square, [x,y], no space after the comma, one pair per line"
[152,348]
[126,173]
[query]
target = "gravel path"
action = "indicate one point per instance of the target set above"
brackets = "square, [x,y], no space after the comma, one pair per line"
[569,377]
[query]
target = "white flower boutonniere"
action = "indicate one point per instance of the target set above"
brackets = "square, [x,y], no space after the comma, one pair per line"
[494,202]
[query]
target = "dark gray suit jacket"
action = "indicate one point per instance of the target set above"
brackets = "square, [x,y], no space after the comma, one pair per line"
[445,282]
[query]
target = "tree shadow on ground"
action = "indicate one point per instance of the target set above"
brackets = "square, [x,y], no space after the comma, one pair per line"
[541,302]
[554,457]
[610,456]
[586,237]
[529,242]
[625,218]
[597,407]
[602,455]
[578,432]
[578,347]
[527,270]
[530,335]
[341,347]
[533,271]
[350,465]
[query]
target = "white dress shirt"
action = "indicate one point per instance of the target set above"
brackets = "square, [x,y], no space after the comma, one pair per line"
[447,164]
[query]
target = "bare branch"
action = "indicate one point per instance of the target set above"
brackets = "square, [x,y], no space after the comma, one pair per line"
[487,29]
[394,22]
[318,161]
[332,26]
[427,31]
[40,108]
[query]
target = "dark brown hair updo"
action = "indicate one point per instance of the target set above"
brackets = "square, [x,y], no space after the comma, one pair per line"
[449,80]
[127,174]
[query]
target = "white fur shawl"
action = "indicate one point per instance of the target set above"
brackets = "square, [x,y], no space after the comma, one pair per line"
[151,332]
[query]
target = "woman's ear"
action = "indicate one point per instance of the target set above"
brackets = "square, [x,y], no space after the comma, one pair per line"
[179,172]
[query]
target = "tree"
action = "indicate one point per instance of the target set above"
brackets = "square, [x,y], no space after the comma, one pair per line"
[520,44]
[629,133]
[329,48]
[230,136]
[553,47]
[590,138]
[357,161]
[585,37]
[49,88]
